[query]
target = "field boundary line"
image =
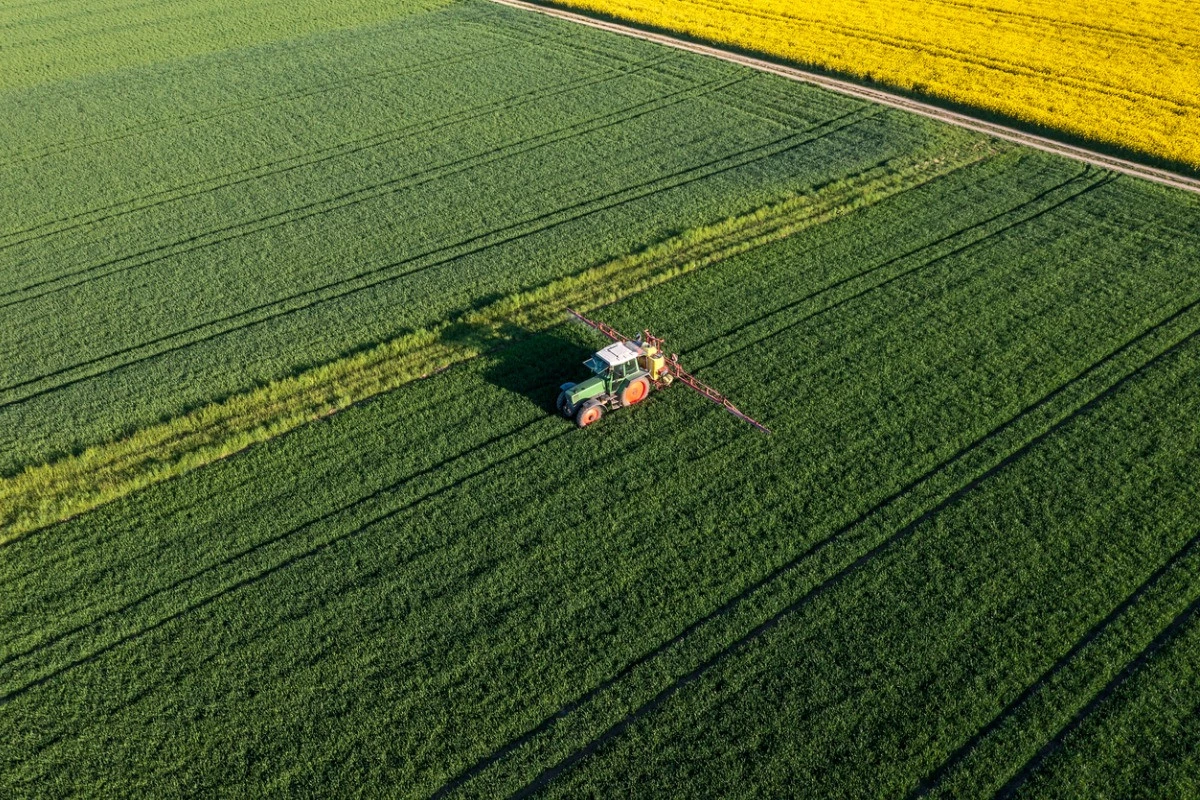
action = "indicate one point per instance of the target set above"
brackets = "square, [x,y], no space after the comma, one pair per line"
[880,96]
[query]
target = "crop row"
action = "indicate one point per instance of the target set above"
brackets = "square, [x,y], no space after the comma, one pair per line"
[1096,71]
[980,466]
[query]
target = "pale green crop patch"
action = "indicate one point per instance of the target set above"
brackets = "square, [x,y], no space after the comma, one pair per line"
[44,42]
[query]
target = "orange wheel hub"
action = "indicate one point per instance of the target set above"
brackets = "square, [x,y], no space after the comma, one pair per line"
[635,392]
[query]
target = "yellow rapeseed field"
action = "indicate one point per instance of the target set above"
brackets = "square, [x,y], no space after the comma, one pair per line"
[1125,72]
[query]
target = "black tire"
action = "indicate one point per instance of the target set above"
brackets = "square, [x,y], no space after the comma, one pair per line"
[561,405]
[589,413]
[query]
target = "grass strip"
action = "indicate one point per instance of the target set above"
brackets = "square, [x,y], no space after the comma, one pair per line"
[47,493]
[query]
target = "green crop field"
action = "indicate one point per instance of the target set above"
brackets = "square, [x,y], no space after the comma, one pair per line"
[285,508]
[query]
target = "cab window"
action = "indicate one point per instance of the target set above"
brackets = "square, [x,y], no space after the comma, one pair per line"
[619,372]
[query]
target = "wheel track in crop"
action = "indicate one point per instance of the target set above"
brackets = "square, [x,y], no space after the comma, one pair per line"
[437,173]
[1089,30]
[835,198]
[536,308]
[217,112]
[510,30]
[933,780]
[889,543]
[1185,617]
[65,556]
[554,40]
[106,9]
[812,253]
[760,107]
[479,19]
[959,56]
[573,42]
[1179,330]
[312,550]
[103,214]
[51,42]
[102,623]
[880,96]
[932,244]
[229,590]
[216,236]
[100,620]
[265,101]
[1035,204]
[436,257]
[99,542]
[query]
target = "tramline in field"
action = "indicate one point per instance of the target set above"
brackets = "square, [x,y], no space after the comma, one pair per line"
[624,374]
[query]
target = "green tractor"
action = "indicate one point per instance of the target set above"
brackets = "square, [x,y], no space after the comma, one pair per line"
[624,374]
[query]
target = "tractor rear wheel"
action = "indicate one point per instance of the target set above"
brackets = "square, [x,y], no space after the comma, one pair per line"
[588,413]
[635,392]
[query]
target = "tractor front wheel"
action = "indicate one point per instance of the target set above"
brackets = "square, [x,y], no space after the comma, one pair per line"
[588,413]
[561,405]
[635,392]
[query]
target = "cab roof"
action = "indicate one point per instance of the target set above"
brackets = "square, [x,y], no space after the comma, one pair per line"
[619,353]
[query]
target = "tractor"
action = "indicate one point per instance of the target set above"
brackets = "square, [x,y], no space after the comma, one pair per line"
[624,373]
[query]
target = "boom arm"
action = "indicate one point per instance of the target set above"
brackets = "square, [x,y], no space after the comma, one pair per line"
[703,389]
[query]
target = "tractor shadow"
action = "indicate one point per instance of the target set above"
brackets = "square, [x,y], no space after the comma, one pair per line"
[535,365]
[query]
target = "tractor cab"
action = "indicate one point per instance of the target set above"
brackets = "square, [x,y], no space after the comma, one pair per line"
[615,363]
